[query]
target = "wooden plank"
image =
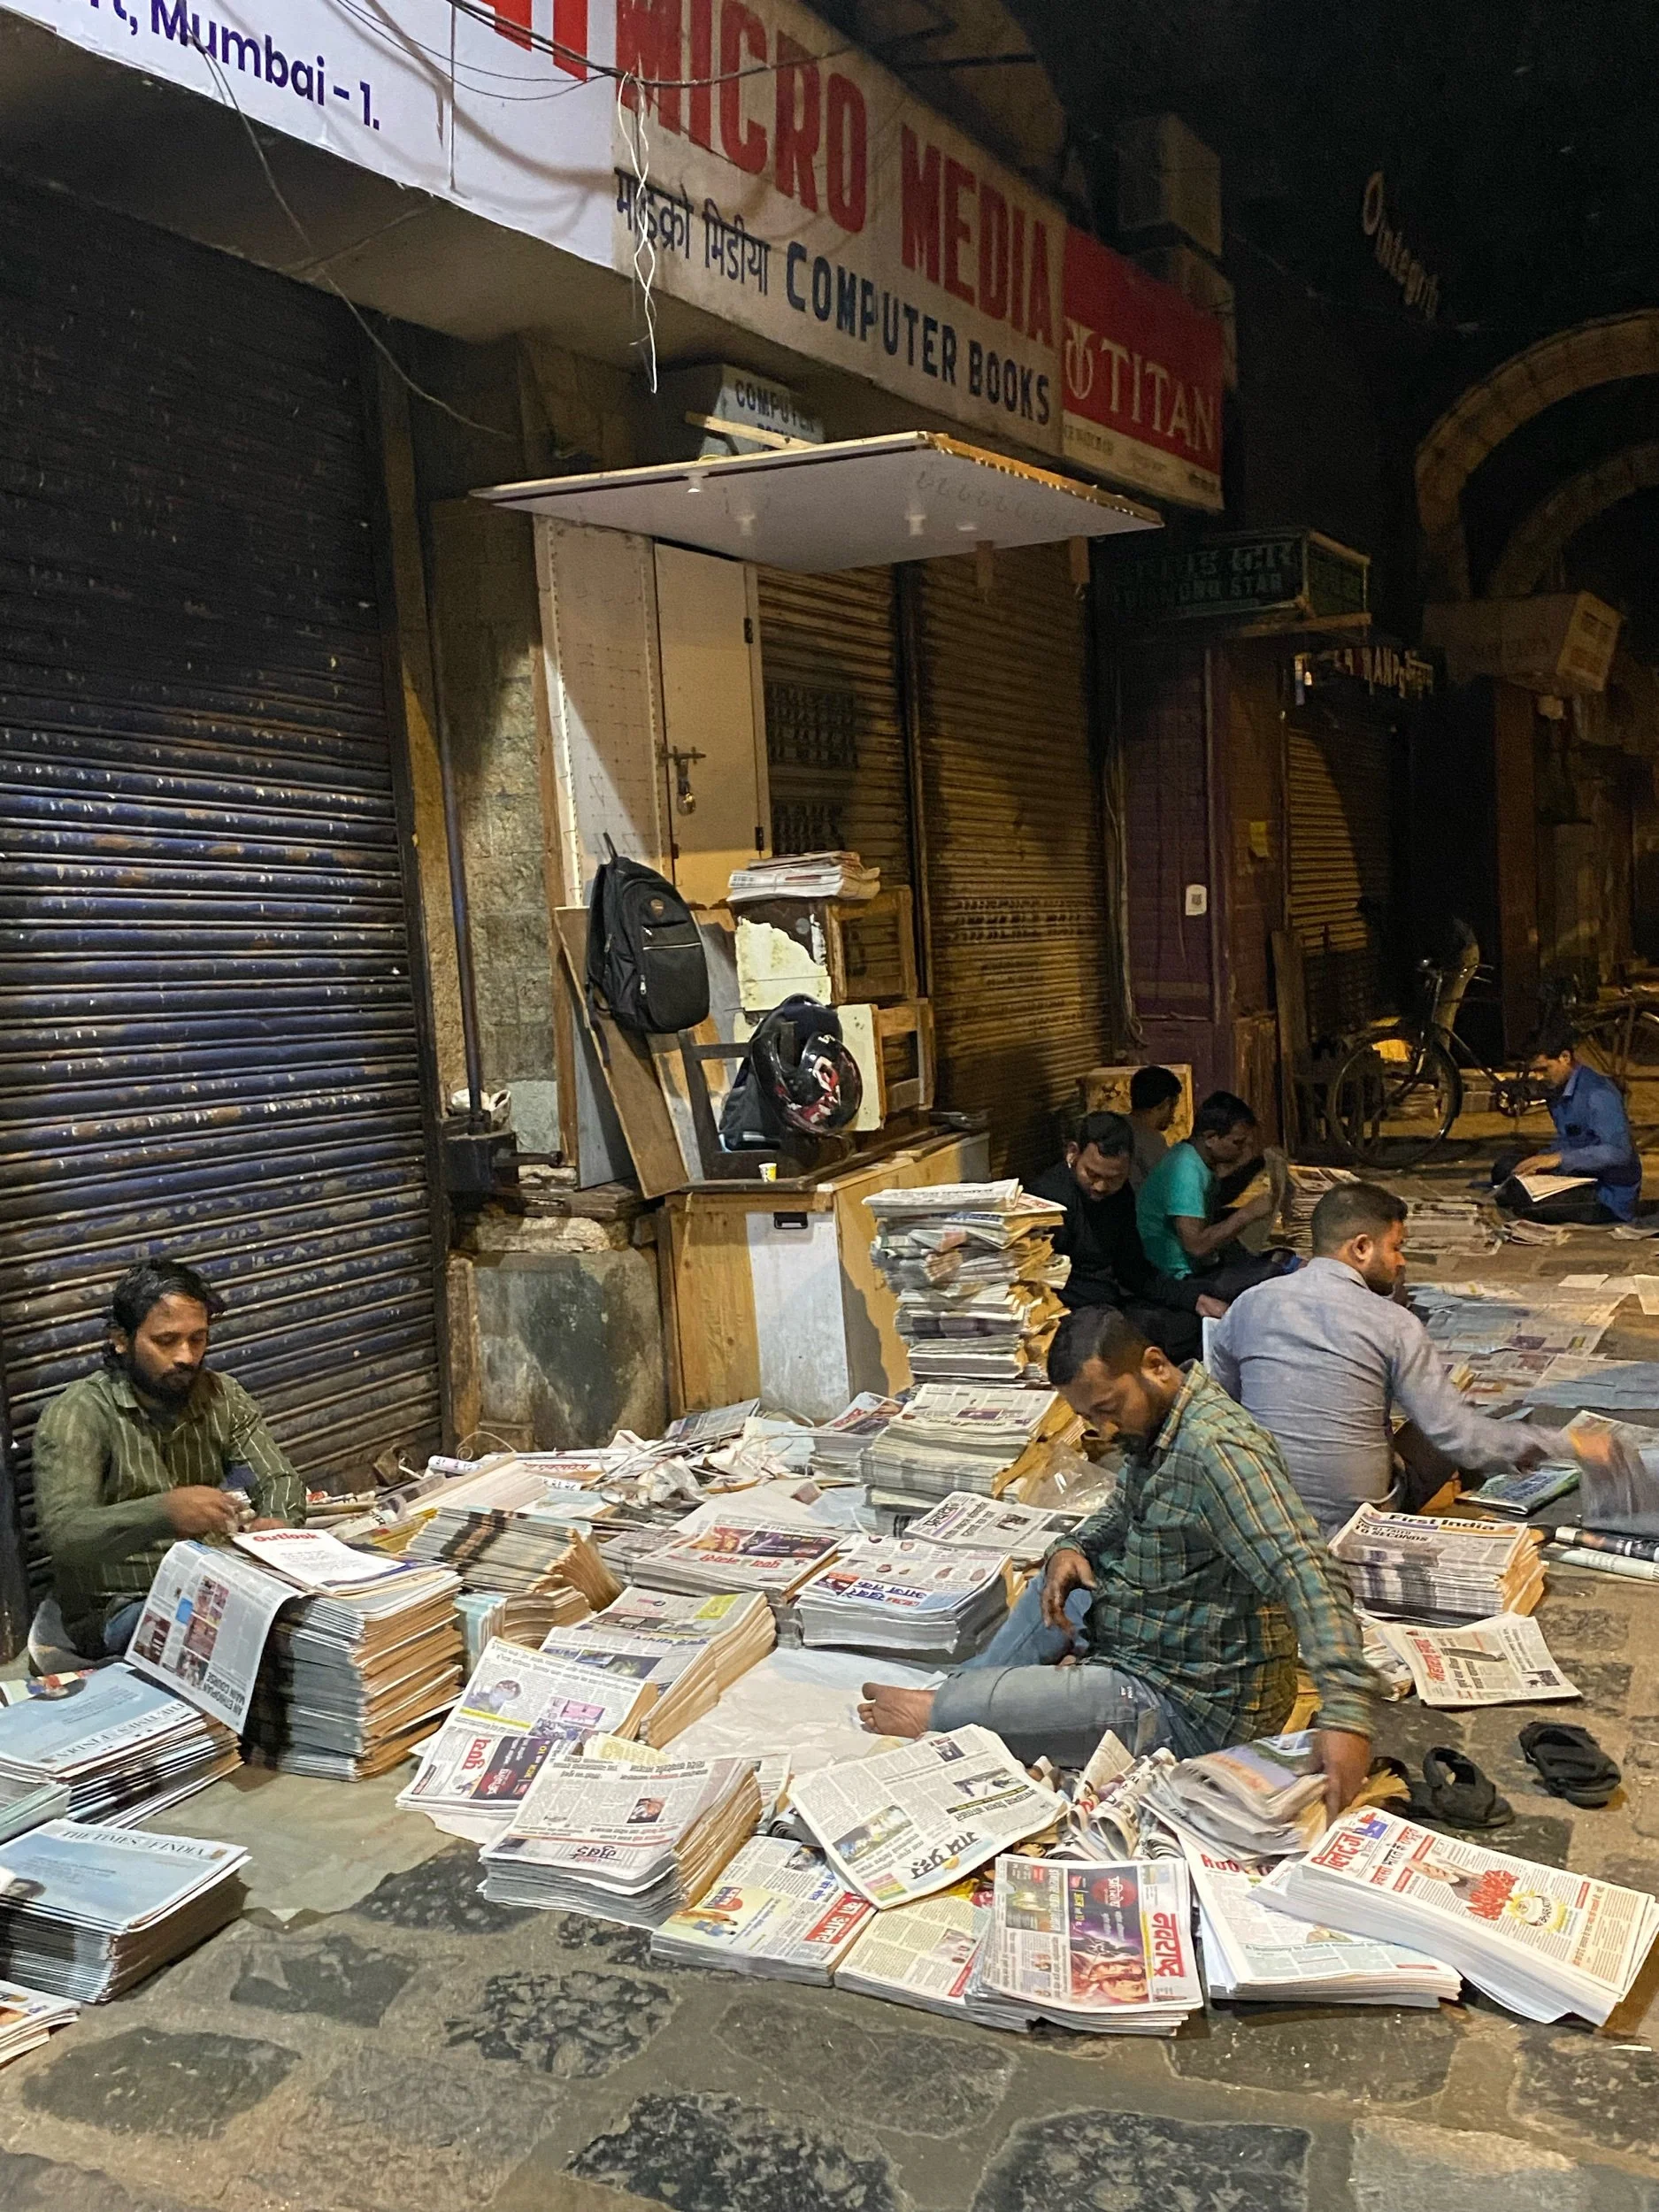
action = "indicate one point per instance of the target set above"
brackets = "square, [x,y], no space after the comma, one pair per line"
[628,1071]
[714,1302]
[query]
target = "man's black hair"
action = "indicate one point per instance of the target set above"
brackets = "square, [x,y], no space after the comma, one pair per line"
[1553,1037]
[1150,1087]
[1095,1332]
[1221,1113]
[1110,1134]
[1354,1210]
[145,1285]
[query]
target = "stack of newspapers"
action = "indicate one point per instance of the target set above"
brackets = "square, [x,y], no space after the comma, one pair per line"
[1023,1533]
[1545,1942]
[1258,1956]
[838,1447]
[974,1269]
[1264,1799]
[88,1911]
[927,1954]
[526,1620]
[121,1746]
[803,876]
[1106,1948]
[1418,1567]
[510,1529]
[778,1912]
[26,1801]
[933,1604]
[351,1681]
[736,1631]
[737,1546]
[27,2016]
[983,1438]
[636,1844]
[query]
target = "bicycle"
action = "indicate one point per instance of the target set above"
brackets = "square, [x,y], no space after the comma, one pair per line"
[1619,1036]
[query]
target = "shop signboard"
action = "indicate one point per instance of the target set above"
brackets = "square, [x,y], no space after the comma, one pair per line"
[1280,578]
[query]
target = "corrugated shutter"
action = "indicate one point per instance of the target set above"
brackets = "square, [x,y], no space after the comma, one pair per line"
[1341,809]
[207,1026]
[1016,881]
[835,730]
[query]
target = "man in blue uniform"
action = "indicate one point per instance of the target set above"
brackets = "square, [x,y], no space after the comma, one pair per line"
[1593,1141]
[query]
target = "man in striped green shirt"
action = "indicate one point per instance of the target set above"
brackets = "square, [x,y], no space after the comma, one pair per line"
[131,1459]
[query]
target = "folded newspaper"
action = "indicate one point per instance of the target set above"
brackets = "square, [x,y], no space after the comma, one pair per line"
[1542,1940]
[313,1561]
[88,1911]
[202,1630]
[936,1603]
[121,1746]
[27,2016]
[779,1911]
[928,1954]
[1109,1949]
[728,1545]
[912,1821]
[1504,1661]
[1264,1798]
[1021,1532]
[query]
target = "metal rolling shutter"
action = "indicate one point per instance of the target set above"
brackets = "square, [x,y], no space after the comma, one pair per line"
[835,731]
[1016,881]
[207,1025]
[1340,805]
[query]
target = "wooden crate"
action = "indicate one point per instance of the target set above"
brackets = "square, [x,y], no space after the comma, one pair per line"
[872,1033]
[841,951]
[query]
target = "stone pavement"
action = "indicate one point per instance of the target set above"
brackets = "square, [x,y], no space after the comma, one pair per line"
[412,2046]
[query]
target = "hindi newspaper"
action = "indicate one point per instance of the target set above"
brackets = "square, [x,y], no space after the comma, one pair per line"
[1104,1948]
[778,1910]
[909,1822]
[926,1954]
[1540,1939]
[1022,1533]
[898,1594]
[202,1630]
[1503,1661]
[1263,1797]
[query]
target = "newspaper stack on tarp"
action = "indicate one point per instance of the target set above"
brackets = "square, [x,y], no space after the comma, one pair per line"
[1106,1949]
[981,1438]
[838,1447]
[935,1603]
[524,1620]
[909,1822]
[1416,1567]
[974,1269]
[1023,1533]
[27,2016]
[778,1911]
[1540,1939]
[1264,1798]
[737,1632]
[1504,1661]
[121,1746]
[353,1681]
[26,1803]
[737,1545]
[1259,1956]
[636,1844]
[927,1954]
[88,1911]
[510,1528]
[676,1673]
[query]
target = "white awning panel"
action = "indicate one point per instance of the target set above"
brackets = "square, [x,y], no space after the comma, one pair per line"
[911,496]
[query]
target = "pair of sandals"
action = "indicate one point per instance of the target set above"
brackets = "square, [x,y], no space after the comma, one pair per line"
[1455,1793]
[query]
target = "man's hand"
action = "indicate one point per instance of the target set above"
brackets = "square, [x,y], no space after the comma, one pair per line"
[1346,1760]
[1539,1164]
[195,1510]
[1068,1571]
[1261,1209]
[1208,1309]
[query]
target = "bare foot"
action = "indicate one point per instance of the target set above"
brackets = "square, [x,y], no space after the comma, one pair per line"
[889,1710]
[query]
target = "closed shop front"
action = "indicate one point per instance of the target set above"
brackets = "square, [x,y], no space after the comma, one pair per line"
[208,1034]
[1339,770]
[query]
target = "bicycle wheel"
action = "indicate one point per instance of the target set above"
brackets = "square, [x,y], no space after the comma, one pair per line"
[1394,1100]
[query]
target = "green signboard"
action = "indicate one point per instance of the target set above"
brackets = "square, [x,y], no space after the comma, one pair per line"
[1282,575]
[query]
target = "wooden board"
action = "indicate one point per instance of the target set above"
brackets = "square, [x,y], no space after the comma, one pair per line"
[1106,1091]
[628,1071]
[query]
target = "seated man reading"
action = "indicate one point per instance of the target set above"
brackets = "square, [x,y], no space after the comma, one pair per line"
[1592,1139]
[1154,1094]
[1184,1602]
[1177,1200]
[130,1459]
[1099,1238]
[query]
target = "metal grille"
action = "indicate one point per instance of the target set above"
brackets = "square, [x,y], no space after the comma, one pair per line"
[207,1025]
[1340,805]
[1017,882]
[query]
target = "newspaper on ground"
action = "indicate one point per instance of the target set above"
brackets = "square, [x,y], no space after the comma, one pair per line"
[202,1634]
[676,1675]
[779,1910]
[1110,1817]
[1418,1567]
[27,2016]
[936,1602]
[122,1746]
[696,1432]
[618,1842]
[1392,1675]
[1540,1939]
[982,1438]
[1109,1949]
[313,1561]
[1023,1533]
[926,1954]
[1503,1661]
[520,1620]
[909,1822]
[1259,1956]
[1264,1799]
[87,1911]
[1519,1492]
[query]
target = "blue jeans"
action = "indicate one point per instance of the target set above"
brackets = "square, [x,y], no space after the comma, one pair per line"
[117,1630]
[1016,1687]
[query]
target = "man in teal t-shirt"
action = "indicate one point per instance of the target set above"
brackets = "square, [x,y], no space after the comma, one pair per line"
[1172,1211]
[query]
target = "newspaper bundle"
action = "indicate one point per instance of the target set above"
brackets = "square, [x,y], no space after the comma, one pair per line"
[27,2016]
[1421,1567]
[1519,1492]
[778,1910]
[935,1603]
[517,1527]
[1264,1799]
[738,1631]
[202,1630]
[1504,1661]
[1542,1940]
[912,1821]
[1109,1949]
[981,1438]
[726,1545]
[312,1560]
[1260,1956]
[622,1842]
[927,1954]
[839,1446]
[121,1746]
[27,1801]
[1023,1533]
[522,1620]
[88,1911]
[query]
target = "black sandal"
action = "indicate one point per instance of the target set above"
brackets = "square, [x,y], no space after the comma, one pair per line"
[1459,1795]
[1570,1762]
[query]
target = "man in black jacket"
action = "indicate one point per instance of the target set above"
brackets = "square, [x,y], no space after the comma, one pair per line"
[1099,1237]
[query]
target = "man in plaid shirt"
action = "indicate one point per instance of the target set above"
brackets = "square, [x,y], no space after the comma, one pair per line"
[1174,1616]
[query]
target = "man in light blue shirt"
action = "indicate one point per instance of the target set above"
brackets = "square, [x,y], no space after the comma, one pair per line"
[1594,1137]
[1172,1211]
[1323,1357]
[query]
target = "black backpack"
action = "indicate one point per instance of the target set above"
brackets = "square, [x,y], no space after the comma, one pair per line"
[646,966]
